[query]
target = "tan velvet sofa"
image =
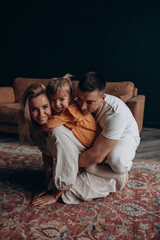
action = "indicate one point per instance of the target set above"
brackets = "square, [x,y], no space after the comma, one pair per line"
[10,98]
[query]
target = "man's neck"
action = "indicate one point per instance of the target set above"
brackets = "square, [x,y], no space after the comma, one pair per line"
[98,109]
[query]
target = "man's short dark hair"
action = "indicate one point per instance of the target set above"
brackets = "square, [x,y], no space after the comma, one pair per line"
[92,81]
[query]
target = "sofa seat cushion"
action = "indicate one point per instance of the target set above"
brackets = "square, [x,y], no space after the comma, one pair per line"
[123,90]
[9,113]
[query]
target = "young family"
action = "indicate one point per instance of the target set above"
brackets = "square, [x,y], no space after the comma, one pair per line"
[87,143]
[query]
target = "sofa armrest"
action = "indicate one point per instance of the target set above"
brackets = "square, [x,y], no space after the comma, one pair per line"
[7,95]
[135,92]
[125,98]
[136,105]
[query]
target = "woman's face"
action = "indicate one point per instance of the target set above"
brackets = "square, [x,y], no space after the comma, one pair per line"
[40,109]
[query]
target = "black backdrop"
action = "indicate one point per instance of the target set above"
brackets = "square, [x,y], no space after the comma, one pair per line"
[119,39]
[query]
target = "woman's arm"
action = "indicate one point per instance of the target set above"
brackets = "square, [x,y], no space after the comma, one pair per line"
[48,167]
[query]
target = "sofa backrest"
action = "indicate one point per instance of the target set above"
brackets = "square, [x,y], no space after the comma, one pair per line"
[124,90]
[7,95]
[21,84]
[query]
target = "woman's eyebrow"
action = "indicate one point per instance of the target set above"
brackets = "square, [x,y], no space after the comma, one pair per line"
[90,101]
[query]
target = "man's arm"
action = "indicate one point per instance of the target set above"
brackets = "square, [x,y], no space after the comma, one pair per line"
[101,148]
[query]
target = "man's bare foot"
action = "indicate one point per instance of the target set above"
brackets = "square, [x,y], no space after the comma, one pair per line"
[126,179]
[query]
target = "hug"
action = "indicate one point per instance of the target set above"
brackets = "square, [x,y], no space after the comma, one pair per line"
[87,143]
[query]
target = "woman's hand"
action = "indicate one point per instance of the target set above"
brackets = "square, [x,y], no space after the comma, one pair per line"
[37,195]
[44,198]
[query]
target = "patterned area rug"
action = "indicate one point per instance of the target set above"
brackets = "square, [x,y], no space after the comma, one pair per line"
[133,213]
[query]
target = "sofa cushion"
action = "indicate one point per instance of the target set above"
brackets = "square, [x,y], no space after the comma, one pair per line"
[21,84]
[7,95]
[9,128]
[123,90]
[9,113]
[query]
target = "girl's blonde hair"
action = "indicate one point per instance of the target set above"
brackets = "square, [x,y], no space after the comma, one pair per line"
[29,130]
[60,84]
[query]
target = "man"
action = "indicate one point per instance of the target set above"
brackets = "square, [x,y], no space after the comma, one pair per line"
[119,139]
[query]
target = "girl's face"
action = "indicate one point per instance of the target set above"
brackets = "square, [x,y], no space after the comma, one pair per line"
[40,109]
[60,101]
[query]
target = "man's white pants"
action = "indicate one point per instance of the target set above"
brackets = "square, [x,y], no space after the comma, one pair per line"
[120,159]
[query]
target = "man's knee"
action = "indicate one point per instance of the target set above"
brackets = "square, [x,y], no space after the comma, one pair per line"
[119,163]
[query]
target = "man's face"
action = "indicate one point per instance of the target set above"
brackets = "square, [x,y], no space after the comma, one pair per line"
[90,102]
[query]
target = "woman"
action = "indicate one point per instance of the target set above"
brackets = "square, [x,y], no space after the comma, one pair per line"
[35,112]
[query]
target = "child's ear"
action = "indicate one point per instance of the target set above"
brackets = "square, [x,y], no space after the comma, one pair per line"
[71,100]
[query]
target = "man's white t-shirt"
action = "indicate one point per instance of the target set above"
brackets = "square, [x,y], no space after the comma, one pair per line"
[116,119]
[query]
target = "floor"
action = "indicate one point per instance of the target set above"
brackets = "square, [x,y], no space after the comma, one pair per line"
[149,147]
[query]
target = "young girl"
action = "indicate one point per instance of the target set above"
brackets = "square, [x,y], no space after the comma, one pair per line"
[66,112]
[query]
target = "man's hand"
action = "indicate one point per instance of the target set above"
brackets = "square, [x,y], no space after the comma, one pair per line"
[101,148]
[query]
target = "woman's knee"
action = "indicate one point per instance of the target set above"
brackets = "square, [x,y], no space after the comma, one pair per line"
[57,131]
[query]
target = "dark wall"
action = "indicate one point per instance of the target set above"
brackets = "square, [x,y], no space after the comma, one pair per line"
[121,40]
